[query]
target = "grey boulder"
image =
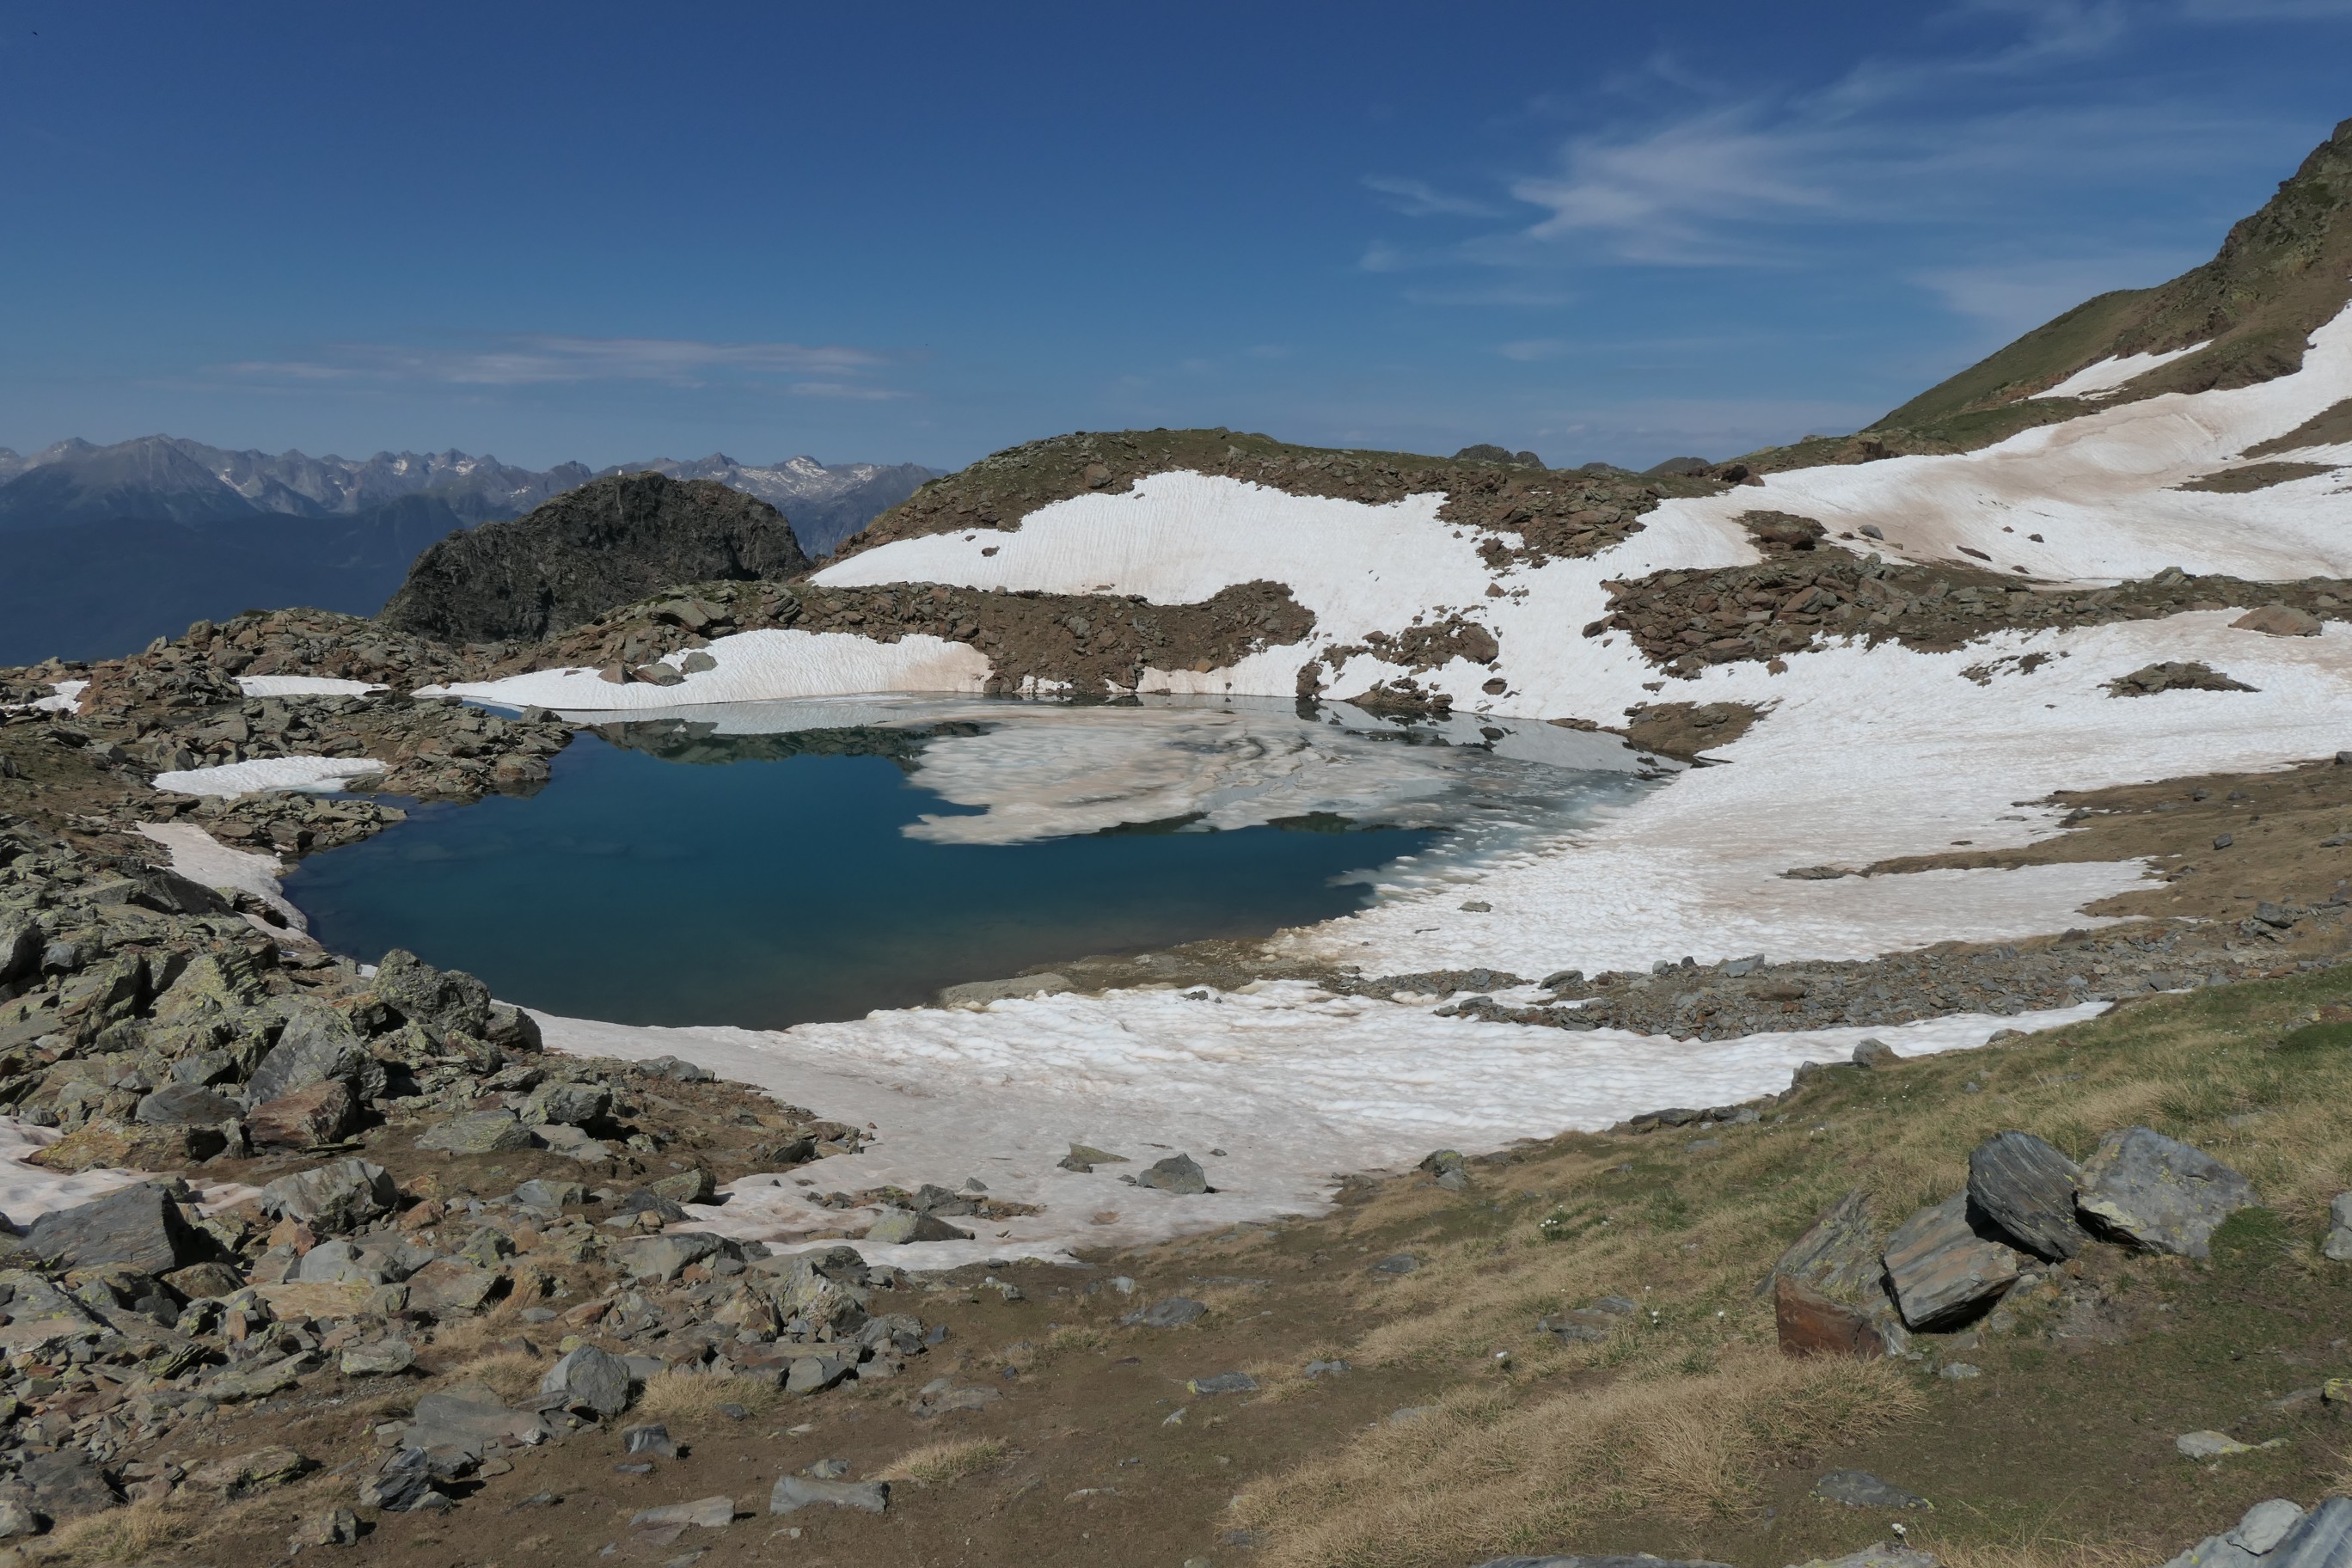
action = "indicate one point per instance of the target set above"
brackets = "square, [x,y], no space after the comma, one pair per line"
[1173,1313]
[318,1043]
[139,1225]
[2160,1194]
[1943,1273]
[186,1105]
[1838,1256]
[437,998]
[2026,1187]
[333,1198]
[1178,1173]
[2339,1245]
[588,1379]
[666,1256]
[565,1104]
[336,1263]
[898,1227]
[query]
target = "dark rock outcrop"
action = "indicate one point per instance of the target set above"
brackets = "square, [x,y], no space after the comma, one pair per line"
[587,552]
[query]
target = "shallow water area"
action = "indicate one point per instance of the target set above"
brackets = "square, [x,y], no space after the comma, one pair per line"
[770,864]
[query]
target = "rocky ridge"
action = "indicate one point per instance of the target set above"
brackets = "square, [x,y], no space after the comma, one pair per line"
[1090,644]
[1554,513]
[586,551]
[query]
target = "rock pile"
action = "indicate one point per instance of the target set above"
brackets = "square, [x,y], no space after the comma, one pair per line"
[155,1030]
[2026,1208]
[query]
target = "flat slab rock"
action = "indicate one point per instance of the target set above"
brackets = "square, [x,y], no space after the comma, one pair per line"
[2026,1187]
[1943,1272]
[139,1225]
[2160,1194]
[795,1492]
[2278,1535]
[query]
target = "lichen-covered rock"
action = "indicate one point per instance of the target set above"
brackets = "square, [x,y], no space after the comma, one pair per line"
[898,1227]
[443,1000]
[245,1474]
[333,1199]
[318,1043]
[185,1105]
[478,1132]
[1839,1255]
[2160,1194]
[565,1104]
[104,1144]
[792,1493]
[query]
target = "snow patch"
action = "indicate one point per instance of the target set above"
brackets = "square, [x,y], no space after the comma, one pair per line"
[1291,1081]
[319,775]
[752,667]
[305,686]
[2112,375]
[199,857]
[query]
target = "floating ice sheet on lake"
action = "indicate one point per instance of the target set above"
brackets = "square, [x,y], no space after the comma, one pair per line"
[1048,768]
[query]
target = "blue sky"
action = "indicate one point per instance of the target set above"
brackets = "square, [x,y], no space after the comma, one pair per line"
[925,232]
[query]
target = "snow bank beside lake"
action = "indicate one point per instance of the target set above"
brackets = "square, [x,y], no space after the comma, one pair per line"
[1292,1083]
[761,666]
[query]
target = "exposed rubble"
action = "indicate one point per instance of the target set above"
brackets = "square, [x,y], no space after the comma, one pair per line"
[1689,620]
[347,1167]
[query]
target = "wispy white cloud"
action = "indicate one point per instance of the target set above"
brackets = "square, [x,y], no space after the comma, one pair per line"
[1417,198]
[544,359]
[1956,139]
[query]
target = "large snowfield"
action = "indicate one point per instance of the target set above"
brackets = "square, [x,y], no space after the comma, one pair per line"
[1863,754]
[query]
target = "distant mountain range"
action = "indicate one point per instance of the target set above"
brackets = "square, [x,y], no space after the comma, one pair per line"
[107,547]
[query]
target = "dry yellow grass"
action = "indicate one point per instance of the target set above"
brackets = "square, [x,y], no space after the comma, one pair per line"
[140,1533]
[1492,1470]
[1692,1397]
[687,1396]
[942,1464]
[511,1372]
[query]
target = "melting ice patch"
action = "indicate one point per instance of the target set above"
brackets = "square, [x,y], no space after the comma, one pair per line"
[1042,770]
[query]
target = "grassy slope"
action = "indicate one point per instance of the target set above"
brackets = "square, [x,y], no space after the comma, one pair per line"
[1688,1433]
